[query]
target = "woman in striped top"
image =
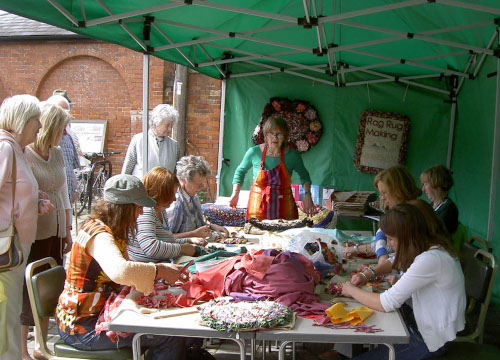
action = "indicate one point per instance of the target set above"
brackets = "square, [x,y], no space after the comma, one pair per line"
[154,241]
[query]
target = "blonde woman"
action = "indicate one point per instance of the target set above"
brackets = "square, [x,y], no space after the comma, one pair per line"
[19,125]
[53,236]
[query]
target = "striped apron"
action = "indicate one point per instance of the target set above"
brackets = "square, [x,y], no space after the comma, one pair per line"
[271,196]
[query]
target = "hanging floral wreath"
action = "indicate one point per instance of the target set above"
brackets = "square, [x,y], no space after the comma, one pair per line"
[301,117]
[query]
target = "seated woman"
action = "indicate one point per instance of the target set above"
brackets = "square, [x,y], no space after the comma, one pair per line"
[185,218]
[395,186]
[154,240]
[436,229]
[436,183]
[99,265]
[272,164]
[433,279]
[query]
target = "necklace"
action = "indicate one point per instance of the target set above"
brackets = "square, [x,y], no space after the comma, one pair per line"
[273,154]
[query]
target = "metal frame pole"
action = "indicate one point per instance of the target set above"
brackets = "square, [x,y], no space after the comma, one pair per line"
[145,111]
[494,161]
[221,135]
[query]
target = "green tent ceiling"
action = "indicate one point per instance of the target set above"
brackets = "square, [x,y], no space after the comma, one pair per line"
[333,42]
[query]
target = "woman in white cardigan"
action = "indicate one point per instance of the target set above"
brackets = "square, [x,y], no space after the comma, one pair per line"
[53,236]
[433,279]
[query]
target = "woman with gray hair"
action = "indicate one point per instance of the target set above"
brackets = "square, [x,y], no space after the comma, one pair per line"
[185,218]
[163,150]
[19,126]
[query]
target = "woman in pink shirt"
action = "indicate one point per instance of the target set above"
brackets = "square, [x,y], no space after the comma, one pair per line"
[19,125]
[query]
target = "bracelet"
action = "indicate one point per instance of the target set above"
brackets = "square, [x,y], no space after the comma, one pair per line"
[69,227]
[373,273]
[307,193]
[364,275]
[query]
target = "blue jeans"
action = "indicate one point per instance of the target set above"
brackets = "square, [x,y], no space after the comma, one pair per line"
[160,347]
[415,350]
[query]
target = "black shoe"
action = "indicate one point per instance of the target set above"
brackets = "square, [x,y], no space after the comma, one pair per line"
[198,353]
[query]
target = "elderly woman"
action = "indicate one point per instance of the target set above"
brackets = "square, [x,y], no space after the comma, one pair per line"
[53,236]
[154,241]
[395,186]
[186,217]
[19,125]
[436,183]
[99,266]
[272,163]
[163,150]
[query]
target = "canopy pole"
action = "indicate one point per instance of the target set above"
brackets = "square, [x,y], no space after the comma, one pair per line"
[494,161]
[145,109]
[220,156]
[453,98]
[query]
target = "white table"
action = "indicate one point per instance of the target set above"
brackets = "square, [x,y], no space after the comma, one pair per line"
[185,325]
[393,326]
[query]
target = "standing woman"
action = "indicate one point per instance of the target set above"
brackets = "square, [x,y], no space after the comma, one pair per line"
[272,163]
[163,150]
[433,279]
[436,183]
[53,236]
[19,125]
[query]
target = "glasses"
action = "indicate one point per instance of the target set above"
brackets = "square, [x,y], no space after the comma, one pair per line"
[276,135]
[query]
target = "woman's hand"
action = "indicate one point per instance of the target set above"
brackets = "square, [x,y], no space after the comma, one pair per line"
[67,242]
[348,289]
[197,241]
[391,279]
[233,200]
[349,251]
[202,232]
[42,195]
[221,230]
[358,280]
[169,272]
[45,207]
[188,249]
[309,207]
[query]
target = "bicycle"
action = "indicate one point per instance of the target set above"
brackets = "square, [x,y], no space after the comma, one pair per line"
[90,187]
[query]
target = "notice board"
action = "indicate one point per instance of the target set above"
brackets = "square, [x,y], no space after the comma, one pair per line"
[91,134]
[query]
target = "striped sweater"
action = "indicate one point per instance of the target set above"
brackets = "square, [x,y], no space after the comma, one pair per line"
[154,241]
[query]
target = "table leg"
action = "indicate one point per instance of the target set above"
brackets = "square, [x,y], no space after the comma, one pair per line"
[282,351]
[264,344]
[252,350]
[392,353]
[241,344]
[136,346]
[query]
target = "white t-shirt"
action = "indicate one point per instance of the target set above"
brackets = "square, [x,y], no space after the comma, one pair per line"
[435,282]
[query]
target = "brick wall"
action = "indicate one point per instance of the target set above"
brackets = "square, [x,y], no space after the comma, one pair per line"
[105,83]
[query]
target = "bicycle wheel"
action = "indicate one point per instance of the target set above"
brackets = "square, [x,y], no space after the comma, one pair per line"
[98,186]
[82,198]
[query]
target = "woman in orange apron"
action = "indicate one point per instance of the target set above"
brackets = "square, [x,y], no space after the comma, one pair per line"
[272,164]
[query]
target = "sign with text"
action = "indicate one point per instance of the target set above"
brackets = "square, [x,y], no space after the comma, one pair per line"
[382,141]
[91,134]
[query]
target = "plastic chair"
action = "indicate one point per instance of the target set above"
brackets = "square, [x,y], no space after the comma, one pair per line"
[480,272]
[44,289]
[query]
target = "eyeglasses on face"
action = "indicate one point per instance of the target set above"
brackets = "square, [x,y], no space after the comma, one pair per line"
[276,135]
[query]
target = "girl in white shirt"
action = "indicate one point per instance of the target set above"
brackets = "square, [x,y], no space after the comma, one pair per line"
[433,279]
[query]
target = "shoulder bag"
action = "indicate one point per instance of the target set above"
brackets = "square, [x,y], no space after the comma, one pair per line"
[11,255]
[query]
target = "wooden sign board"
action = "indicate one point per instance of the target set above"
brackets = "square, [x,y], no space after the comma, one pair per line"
[382,141]
[91,134]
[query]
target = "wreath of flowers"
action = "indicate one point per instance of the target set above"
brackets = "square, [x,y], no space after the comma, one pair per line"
[361,138]
[302,119]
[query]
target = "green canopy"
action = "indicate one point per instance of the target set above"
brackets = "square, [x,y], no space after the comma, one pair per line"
[432,60]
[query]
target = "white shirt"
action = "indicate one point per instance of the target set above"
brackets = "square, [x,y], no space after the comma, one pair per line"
[435,282]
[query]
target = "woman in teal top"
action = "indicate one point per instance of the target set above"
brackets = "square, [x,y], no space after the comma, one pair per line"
[272,164]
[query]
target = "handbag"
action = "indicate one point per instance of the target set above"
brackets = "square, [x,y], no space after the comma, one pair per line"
[11,255]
